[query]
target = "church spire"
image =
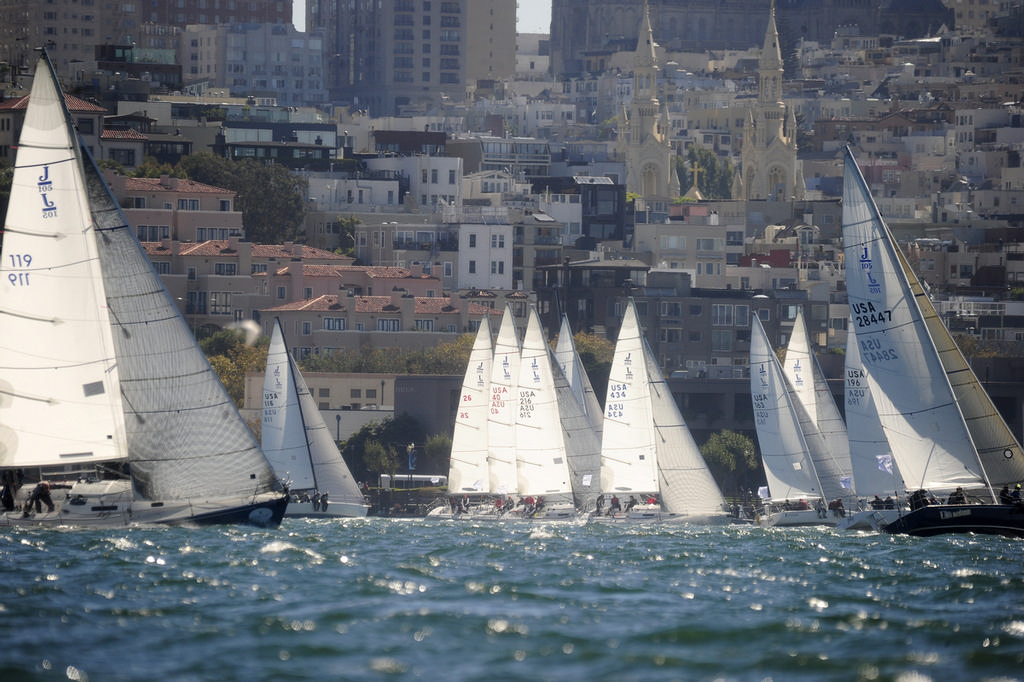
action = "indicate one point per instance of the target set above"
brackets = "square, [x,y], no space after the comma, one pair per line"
[645,54]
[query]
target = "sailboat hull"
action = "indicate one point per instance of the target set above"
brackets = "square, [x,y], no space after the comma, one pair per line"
[334,510]
[794,518]
[110,504]
[988,519]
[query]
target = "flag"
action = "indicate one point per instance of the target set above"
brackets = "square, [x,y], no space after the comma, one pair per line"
[762,492]
[846,482]
[884,463]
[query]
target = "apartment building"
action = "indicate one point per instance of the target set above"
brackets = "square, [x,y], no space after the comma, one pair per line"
[176,209]
[401,56]
[262,60]
[87,118]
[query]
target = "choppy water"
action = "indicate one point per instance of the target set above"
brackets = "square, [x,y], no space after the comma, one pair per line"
[442,600]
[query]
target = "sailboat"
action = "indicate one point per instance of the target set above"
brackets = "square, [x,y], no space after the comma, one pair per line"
[104,391]
[542,464]
[942,428]
[875,472]
[576,376]
[581,417]
[468,469]
[504,404]
[647,451]
[824,429]
[298,444]
[793,486]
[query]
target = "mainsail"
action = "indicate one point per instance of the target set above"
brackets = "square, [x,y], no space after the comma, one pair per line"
[826,437]
[787,464]
[875,471]
[504,403]
[917,407]
[541,455]
[468,471]
[294,436]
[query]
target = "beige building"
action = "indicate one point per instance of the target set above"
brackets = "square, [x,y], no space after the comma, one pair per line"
[172,208]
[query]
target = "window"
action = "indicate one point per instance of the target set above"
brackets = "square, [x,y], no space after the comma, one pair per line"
[188,204]
[721,314]
[191,273]
[220,303]
[497,241]
[451,177]
[721,340]
[388,324]
[227,269]
[281,293]
[472,267]
[355,393]
[472,241]
[334,324]
[424,325]
[307,328]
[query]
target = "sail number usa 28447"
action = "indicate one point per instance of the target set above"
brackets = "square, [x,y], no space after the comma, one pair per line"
[865,314]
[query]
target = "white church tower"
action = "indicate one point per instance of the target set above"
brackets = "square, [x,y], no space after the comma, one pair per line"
[770,170]
[644,134]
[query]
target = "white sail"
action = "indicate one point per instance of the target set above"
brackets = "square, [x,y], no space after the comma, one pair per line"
[875,471]
[998,449]
[295,438]
[787,464]
[98,344]
[504,403]
[629,461]
[916,405]
[468,471]
[60,401]
[541,455]
[582,439]
[827,438]
[572,367]
[685,483]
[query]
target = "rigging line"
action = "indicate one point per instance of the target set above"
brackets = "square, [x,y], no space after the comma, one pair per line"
[44,163]
[48,401]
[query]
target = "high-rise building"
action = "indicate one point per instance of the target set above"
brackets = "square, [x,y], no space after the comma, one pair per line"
[402,56]
[71,29]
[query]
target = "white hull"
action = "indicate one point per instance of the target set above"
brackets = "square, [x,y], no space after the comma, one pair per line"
[110,504]
[334,510]
[658,515]
[795,517]
[869,519]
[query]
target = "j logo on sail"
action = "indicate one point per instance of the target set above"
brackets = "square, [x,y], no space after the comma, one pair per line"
[763,374]
[45,184]
[49,208]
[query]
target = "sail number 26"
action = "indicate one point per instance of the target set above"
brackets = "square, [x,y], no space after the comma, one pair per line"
[18,260]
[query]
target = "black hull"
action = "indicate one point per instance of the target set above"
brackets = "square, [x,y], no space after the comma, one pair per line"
[988,519]
[266,514]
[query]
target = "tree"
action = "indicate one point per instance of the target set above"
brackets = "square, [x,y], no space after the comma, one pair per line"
[732,457]
[271,198]
[394,432]
[714,173]
[437,453]
[231,359]
[596,354]
[347,235]
[151,168]
[380,459]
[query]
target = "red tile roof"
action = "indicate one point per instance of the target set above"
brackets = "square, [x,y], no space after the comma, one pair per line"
[122,134]
[184,186]
[74,105]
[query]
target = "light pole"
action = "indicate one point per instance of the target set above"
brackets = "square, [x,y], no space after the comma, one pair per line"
[337,433]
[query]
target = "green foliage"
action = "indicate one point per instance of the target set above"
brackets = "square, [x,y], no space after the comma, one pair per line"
[437,453]
[347,235]
[596,354]
[393,434]
[271,198]
[380,459]
[714,173]
[732,458]
[445,358]
[151,168]
[231,359]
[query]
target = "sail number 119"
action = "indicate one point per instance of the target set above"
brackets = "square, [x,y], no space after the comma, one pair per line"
[19,260]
